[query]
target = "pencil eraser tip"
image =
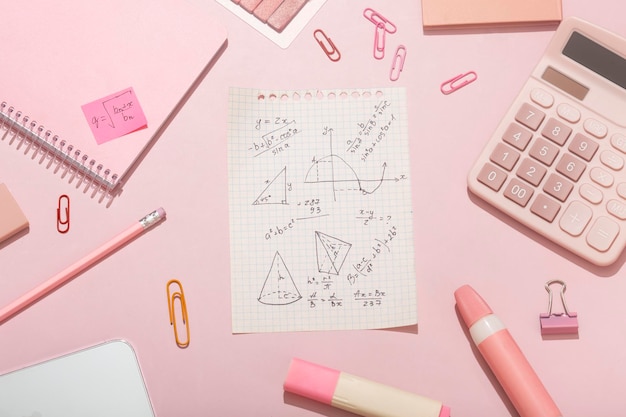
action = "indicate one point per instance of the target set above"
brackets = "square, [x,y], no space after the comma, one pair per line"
[161,212]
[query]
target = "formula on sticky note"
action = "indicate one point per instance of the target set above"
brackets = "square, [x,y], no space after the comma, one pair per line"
[114,116]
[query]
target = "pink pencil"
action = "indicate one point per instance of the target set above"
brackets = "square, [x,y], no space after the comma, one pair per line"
[504,357]
[77,267]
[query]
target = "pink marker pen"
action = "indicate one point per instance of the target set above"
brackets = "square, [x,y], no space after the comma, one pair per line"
[357,395]
[504,357]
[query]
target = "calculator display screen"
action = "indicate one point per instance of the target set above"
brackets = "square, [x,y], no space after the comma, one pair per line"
[597,58]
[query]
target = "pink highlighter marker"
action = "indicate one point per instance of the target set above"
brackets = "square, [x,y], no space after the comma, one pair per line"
[504,357]
[357,395]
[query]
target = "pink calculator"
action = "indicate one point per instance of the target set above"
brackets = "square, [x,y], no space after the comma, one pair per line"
[556,161]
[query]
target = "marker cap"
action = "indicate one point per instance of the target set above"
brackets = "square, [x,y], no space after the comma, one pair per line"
[471,305]
[311,381]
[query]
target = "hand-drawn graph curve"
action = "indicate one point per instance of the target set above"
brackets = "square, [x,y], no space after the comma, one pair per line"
[276,190]
[331,253]
[279,288]
[334,169]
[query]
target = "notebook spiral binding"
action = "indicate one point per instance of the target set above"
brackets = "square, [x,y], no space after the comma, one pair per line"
[18,127]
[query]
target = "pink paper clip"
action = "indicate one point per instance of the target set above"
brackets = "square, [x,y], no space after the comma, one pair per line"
[460,81]
[565,322]
[379,41]
[376,18]
[398,63]
[63,214]
[328,46]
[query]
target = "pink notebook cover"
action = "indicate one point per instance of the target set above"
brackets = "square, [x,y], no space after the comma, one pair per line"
[446,14]
[59,56]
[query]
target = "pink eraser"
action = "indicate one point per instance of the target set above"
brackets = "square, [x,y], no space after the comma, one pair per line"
[161,212]
[445,411]
[471,305]
[311,381]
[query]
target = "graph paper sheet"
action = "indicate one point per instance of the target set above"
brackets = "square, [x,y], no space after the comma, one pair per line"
[320,210]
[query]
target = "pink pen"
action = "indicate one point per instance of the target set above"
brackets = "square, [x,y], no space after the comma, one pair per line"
[71,271]
[357,395]
[504,357]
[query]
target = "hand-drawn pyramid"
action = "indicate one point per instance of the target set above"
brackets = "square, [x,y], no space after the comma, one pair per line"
[279,288]
[276,190]
[331,253]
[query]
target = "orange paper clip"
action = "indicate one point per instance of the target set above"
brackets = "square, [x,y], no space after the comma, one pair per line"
[457,82]
[63,214]
[398,63]
[179,295]
[328,46]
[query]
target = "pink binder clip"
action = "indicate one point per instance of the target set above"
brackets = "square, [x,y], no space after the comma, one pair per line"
[562,323]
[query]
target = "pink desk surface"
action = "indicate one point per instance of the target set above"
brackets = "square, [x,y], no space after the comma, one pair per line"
[458,240]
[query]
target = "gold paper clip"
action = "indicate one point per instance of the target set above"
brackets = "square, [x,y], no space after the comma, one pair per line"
[331,51]
[63,214]
[171,299]
[457,82]
[398,63]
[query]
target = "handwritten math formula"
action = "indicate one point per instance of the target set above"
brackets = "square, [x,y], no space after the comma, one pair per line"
[115,115]
[321,207]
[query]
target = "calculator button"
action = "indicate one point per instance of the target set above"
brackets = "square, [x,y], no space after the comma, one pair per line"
[617,208]
[571,167]
[542,97]
[544,151]
[569,113]
[619,142]
[556,131]
[621,189]
[602,234]
[531,171]
[595,128]
[545,208]
[601,177]
[530,116]
[558,187]
[518,192]
[612,160]
[517,136]
[492,177]
[591,193]
[583,146]
[575,218]
[504,156]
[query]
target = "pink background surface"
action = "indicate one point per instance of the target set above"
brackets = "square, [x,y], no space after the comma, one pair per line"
[458,239]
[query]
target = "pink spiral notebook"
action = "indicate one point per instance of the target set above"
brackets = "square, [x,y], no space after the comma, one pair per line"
[87,86]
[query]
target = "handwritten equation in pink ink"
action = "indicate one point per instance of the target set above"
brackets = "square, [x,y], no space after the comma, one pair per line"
[115,115]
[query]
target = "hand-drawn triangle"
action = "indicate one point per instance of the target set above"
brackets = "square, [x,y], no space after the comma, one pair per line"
[276,190]
[279,288]
[331,253]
